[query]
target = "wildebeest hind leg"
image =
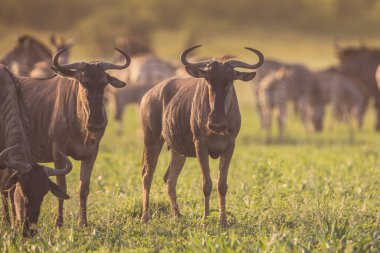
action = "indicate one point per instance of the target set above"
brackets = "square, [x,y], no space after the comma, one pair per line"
[151,152]
[175,168]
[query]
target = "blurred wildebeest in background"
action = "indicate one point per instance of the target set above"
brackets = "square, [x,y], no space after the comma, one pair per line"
[31,57]
[22,181]
[146,70]
[378,76]
[342,93]
[42,68]
[68,114]
[361,63]
[196,116]
[290,82]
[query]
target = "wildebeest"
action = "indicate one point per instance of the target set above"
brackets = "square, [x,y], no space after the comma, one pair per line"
[42,69]
[378,76]
[290,83]
[68,114]
[342,93]
[146,70]
[198,117]
[23,182]
[361,63]
[32,57]
[25,54]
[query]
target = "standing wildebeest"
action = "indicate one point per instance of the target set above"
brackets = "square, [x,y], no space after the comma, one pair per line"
[291,83]
[30,57]
[22,180]
[361,63]
[197,117]
[146,70]
[67,113]
[342,93]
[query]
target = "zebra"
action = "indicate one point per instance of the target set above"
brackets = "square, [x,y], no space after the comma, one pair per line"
[290,83]
[342,93]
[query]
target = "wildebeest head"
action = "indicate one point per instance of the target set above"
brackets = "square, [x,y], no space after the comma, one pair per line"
[32,184]
[93,80]
[220,75]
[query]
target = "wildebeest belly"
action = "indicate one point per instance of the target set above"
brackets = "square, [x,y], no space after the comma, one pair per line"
[176,128]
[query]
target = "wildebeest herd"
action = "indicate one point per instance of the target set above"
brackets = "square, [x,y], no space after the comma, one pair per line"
[51,109]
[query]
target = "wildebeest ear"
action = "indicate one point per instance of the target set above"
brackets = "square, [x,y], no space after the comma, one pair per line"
[57,191]
[11,182]
[65,72]
[115,82]
[196,72]
[244,76]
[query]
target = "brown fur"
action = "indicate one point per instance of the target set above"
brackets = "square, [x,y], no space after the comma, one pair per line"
[196,117]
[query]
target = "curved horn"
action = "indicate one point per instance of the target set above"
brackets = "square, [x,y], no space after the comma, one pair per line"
[52,172]
[19,166]
[197,64]
[56,64]
[240,64]
[106,65]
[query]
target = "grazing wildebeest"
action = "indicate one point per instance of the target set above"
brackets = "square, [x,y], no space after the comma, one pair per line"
[146,70]
[342,93]
[22,180]
[291,83]
[361,63]
[67,113]
[198,117]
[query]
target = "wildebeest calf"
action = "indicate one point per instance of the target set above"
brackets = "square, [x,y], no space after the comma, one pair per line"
[197,117]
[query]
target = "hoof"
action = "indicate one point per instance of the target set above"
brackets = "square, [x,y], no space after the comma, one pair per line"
[223,223]
[145,218]
[82,223]
[59,222]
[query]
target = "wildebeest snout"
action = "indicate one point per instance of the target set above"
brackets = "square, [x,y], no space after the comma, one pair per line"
[217,122]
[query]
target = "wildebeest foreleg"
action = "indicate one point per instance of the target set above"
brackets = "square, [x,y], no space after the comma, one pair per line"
[203,159]
[84,186]
[150,157]
[59,164]
[224,164]
[175,168]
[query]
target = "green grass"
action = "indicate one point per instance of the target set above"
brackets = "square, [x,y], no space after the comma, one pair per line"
[310,192]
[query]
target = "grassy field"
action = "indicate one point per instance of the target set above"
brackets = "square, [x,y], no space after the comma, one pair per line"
[310,192]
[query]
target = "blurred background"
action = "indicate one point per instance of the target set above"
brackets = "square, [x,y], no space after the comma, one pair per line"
[293,30]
